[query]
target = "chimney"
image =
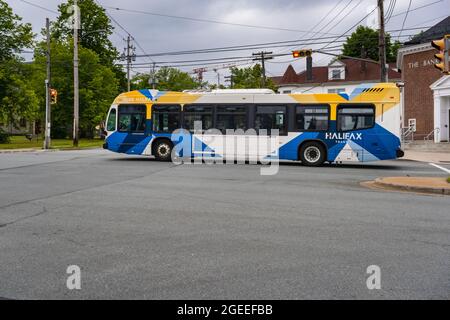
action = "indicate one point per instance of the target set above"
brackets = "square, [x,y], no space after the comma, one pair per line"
[309,74]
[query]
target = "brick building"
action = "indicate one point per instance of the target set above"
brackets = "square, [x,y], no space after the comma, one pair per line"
[340,76]
[425,100]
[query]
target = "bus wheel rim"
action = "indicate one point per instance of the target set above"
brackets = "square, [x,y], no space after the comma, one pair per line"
[163,150]
[312,154]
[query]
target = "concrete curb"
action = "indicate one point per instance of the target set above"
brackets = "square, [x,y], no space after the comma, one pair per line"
[20,150]
[49,150]
[404,187]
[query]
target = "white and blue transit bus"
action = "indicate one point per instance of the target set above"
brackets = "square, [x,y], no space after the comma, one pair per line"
[312,128]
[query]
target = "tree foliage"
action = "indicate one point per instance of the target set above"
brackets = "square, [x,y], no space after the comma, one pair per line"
[167,79]
[98,88]
[363,43]
[249,78]
[17,98]
[14,35]
[94,34]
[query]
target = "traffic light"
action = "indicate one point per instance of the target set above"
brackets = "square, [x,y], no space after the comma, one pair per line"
[54,96]
[443,45]
[302,53]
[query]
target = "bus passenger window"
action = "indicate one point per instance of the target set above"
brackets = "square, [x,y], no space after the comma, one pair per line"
[355,118]
[312,118]
[111,123]
[271,117]
[132,118]
[231,117]
[193,113]
[166,118]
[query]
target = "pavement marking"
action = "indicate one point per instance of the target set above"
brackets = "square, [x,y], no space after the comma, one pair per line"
[439,167]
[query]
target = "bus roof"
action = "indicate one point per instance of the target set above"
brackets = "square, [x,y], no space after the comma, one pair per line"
[372,92]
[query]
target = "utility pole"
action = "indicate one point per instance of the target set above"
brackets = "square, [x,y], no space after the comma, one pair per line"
[76,102]
[230,79]
[129,56]
[47,130]
[218,77]
[382,42]
[128,62]
[261,56]
[153,76]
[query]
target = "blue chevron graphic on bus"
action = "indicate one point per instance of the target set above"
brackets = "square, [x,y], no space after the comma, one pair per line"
[312,128]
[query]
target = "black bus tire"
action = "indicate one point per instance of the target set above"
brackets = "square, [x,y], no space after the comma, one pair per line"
[163,150]
[312,154]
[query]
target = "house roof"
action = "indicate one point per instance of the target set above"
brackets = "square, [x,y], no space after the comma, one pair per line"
[354,71]
[435,32]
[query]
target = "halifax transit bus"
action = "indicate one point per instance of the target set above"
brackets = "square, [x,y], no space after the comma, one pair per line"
[312,128]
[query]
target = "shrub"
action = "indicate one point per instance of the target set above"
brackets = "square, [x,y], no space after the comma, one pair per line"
[4,137]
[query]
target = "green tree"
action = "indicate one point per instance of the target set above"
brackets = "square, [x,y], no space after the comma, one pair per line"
[98,87]
[17,98]
[364,43]
[96,28]
[168,79]
[14,35]
[250,78]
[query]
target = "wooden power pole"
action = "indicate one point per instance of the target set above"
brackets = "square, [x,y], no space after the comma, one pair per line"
[47,130]
[76,97]
[382,42]
[262,56]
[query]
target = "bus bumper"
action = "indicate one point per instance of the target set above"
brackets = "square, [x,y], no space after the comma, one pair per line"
[105,145]
[400,153]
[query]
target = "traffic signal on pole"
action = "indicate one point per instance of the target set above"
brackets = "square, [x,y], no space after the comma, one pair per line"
[53,96]
[302,53]
[443,45]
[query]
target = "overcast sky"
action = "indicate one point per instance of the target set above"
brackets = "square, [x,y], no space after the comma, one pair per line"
[162,34]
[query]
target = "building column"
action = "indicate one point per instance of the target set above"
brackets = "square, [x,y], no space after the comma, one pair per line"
[437,117]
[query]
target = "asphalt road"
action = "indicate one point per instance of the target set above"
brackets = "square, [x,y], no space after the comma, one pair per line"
[138,228]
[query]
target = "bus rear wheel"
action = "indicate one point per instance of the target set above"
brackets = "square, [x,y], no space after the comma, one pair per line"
[312,154]
[163,150]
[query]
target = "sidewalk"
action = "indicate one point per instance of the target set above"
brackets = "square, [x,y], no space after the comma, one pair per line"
[415,184]
[426,156]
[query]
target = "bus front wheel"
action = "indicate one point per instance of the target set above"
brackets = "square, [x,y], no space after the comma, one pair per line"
[312,154]
[163,150]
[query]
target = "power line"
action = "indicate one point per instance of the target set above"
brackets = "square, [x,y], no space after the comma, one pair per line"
[38,6]
[205,20]
[275,44]
[417,8]
[406,16]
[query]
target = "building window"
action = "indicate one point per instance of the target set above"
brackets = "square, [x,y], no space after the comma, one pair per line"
[355,117]
[336,74]
[166,118]
[312,118]
[271,117]
[231,117]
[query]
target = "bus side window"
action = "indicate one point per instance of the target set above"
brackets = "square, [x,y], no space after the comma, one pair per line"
[132,118]
[355,117]
[166,118]
[231,117]
[271,117]
[111,123]
[312,117]
[193,113]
